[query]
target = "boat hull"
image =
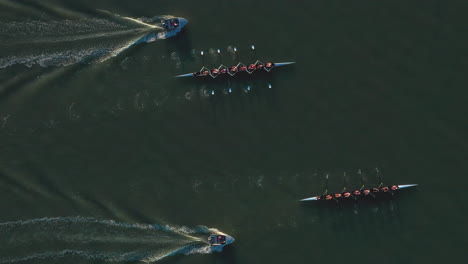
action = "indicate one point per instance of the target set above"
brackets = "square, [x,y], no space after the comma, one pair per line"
[278,64]
[406,186]
[317,198]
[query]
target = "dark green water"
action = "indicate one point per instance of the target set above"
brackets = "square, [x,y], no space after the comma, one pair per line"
[110,159]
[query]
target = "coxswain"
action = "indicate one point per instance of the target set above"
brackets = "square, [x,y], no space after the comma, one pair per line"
[328,197]
[242,68]
[197,74]
[252,67]
[365,192]
[384,189]
[346,194]
[394,187]
[233,69]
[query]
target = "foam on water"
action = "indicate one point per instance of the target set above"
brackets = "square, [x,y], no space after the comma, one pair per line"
[97,239]
[70,41]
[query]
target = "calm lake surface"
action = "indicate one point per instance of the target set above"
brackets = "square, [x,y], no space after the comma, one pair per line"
[106,158]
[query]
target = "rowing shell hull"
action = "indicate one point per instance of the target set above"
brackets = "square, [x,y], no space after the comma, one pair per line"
[316,198]
[279,64]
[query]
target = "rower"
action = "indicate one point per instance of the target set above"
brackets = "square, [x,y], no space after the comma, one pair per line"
[375,190]
[197,74]
[205,73]
[242,68]
[384,189]
[337,195]
[214,71]
[269,65]
[328,197]
[356,193]
[233,69]
[260,66]
[346,194]
[252,67]
[365,192]
[223,71]
[394,187]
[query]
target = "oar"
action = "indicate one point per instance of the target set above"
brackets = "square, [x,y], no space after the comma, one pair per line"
[253,48]
[362,179]
[344,182]
[363,185]
[379,176]
[236,55]
[254,52]
[220,58]
[326,185]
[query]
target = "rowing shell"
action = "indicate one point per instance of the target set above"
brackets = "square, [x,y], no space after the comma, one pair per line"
[316,198]
[279,64]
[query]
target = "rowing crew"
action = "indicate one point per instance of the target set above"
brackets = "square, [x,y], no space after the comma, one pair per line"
[358,193]
[235,69]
